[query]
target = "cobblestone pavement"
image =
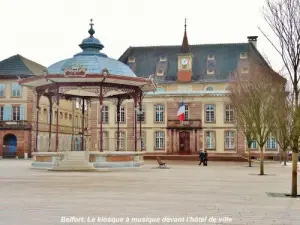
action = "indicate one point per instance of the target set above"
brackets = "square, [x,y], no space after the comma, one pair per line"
[183,194]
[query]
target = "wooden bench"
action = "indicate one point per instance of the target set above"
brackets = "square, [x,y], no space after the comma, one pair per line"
[161,163]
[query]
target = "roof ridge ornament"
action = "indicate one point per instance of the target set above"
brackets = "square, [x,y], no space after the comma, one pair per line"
[91,30]
[185,48]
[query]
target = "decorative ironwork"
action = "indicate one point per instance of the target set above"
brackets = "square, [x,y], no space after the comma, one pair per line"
[75,70]
[14,125]
[188,124]
[105,72]
[63,90]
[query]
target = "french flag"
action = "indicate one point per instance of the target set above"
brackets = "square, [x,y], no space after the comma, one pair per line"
[180,112]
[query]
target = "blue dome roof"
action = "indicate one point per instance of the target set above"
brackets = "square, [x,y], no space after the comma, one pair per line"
[92,59]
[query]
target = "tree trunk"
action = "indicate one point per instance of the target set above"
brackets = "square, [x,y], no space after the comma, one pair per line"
[294,172]
[261,161]
[284,157]
[249,156]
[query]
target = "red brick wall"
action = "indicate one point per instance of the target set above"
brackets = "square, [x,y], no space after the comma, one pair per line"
[23,141]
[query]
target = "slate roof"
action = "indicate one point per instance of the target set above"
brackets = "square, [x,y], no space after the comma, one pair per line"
[18,65]
[226,59]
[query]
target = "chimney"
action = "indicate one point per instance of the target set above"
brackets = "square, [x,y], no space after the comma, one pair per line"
[253,40]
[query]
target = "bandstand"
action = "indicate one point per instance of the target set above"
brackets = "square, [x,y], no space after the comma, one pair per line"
[90,76]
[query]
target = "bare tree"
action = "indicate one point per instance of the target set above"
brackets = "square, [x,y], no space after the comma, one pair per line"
[243,116]
[283,117]
[254,97]
[283,17]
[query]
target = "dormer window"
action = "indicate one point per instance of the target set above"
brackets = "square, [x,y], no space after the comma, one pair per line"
[210,71]
[210,88]
[163,58]
[160,73]
[243,55]
[228,88]
[210,56]
[131,59]
[245,69]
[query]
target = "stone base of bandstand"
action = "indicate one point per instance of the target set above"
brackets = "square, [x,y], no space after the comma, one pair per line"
[93,160]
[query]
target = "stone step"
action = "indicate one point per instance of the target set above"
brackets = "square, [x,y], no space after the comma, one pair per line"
[74,161]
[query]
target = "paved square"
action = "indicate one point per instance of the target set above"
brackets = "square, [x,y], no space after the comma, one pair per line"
[186,192]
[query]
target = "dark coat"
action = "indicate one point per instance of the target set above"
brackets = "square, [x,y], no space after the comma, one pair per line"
[205,156]
[201,155]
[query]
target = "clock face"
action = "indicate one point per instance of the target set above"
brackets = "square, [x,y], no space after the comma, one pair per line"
[184,61]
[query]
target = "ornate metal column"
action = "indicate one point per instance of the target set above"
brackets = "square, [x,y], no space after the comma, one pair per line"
[100,120]
[57,118]
[82,125]
[118,123]
[50,121]
[140,112]
[73,127]
[37,110]
[135,99]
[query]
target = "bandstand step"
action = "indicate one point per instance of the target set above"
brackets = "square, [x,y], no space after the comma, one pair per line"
[74,161]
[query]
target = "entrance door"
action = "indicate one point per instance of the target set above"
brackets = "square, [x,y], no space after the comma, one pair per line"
[184,143]
[9,146]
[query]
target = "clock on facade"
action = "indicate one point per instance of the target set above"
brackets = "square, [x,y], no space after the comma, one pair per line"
[184,61]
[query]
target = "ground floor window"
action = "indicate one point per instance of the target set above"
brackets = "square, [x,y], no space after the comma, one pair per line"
[229,139]
[122,139]
[271,142]
[253,145]
[159,140]
[210,140]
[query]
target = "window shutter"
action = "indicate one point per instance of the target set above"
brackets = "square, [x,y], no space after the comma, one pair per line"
[22,112]
[2,90]
[7,112]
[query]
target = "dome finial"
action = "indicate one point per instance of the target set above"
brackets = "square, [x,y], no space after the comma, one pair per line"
[91,30]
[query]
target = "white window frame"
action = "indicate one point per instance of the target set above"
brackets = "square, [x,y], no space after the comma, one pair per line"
[229,139]
[160,72]
[271,142]
[105,114]
[209,88]
[122,116]
[243,55]
[229,113]
[159,140]
[16,90]
[210,113]
[16,116]
[253,145]
[159,113]
[210,139]
[131,59]
[186,112]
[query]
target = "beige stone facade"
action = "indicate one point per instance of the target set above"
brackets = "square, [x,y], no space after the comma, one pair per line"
[209,122]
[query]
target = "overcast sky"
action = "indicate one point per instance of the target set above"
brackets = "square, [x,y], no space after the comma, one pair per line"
[48,31]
